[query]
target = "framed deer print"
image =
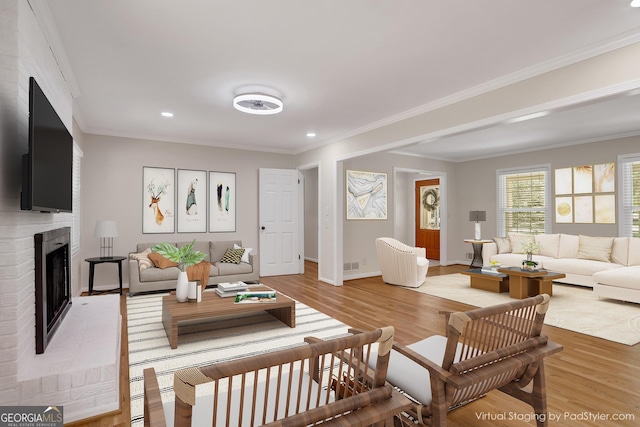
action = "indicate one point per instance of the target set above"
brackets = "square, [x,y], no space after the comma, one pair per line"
[222,202]
[192,201]
[158,200]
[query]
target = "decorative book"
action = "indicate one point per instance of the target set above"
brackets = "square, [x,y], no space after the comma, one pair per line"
[255,297]
[235,286]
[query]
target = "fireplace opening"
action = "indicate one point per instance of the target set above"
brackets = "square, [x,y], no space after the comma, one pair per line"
[53,283]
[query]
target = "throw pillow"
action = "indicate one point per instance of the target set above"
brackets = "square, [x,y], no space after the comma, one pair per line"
[232,256]
[143,259]
[245,255]
[160,261]
[517,240]
[503,244]
[595,248]
[549,244]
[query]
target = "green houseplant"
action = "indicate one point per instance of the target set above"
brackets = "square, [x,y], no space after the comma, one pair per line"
[185,256]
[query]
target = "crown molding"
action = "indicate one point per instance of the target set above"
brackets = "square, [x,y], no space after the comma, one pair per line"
[522,75]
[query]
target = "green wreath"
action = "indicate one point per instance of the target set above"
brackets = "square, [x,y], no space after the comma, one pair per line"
[433,195]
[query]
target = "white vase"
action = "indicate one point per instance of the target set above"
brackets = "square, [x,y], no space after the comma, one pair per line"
[182,287]
[193,293]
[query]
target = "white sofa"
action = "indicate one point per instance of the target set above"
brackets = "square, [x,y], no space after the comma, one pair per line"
[614,276]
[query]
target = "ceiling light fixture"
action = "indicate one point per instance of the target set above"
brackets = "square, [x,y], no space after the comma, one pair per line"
[257,103]
[635,3]
[166,114]
[311,134]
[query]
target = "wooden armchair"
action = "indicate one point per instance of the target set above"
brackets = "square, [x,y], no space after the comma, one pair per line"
[320,382]
[401,264]
[498,347]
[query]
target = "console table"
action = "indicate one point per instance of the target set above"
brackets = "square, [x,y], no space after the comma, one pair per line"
[100,260]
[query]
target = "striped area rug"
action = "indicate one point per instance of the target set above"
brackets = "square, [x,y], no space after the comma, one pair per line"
[200,344]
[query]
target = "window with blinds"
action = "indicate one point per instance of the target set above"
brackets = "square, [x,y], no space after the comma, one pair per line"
[629,170]
[75,200]
[523,201]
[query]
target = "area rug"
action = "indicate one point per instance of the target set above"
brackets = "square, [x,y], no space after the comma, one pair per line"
[574,308]
[200,344]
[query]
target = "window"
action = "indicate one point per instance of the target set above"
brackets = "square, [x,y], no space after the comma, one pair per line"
[524,200]
[75,202]
[629,200]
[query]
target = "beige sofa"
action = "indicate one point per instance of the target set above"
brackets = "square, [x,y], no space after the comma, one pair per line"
[583,259]
[144,278]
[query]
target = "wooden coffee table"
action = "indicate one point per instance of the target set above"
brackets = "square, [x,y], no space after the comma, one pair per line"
[212,306]
[493,282]
[526,283]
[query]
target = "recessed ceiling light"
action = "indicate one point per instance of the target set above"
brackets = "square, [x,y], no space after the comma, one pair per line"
[166,114]
[257,103]
[635,3]
[311,134]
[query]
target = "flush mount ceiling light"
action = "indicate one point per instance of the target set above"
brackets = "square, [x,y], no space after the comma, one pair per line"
[635,3]
[257,103]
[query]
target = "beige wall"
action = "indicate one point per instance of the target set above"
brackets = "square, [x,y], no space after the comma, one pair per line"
[477,190]
[311,214]
[112,189]
[359,235]
[597,77]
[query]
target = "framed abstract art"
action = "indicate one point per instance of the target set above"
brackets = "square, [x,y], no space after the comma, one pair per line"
[158,200]
[192,201]
[222,202]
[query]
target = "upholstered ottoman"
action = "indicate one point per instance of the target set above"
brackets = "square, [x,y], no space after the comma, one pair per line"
[620,283]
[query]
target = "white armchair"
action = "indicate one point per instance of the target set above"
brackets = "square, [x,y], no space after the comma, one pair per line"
[401,264]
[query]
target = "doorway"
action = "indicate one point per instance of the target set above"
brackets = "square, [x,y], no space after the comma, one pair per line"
[427,218]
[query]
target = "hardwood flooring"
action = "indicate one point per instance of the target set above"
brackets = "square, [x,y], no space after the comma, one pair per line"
[591,383]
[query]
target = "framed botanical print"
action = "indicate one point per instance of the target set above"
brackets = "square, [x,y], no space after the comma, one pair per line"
[192,201]
[222,202]
[158,200]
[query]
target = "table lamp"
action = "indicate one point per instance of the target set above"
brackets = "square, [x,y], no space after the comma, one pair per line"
[477,216]
[106,231]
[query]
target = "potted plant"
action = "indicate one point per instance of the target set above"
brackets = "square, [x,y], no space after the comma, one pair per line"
[185,256]
[530,248]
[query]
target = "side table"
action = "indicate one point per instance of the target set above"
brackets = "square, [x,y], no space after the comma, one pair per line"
[476,262]
[101,260]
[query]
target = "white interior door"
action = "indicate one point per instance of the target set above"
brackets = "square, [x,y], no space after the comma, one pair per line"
[278,204]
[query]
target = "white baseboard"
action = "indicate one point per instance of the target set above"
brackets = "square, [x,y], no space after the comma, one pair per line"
[362,275]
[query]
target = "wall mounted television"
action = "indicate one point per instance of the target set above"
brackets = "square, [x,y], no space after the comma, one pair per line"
[47,169]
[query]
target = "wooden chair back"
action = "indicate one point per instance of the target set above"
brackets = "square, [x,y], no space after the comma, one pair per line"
[303,385]
[497,347]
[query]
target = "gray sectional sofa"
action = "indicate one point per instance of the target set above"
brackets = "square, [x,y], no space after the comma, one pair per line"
[145,278]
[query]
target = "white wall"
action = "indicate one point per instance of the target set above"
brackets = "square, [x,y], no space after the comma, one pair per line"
[24,52]
[112,189]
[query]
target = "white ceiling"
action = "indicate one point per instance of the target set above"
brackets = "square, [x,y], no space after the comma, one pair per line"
[339,66]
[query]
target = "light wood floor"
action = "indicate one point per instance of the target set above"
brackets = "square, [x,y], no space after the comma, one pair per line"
[590,378]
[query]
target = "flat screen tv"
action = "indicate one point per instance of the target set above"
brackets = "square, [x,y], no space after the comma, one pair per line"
[47,170]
